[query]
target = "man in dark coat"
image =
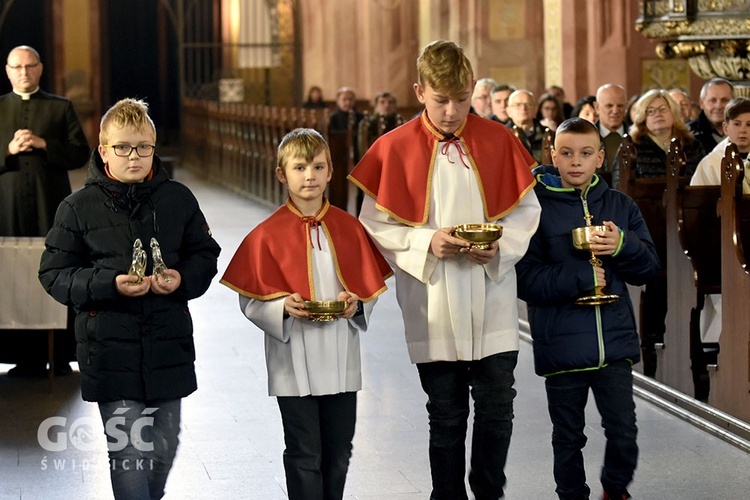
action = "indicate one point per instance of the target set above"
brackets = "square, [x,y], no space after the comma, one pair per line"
[43,139]
[714,97]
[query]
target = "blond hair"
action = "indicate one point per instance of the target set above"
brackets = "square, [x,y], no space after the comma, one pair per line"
[639,130]
[303,143]
[126,113]
[444,67]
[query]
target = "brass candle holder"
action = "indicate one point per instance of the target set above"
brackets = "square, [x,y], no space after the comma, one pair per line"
[582,241]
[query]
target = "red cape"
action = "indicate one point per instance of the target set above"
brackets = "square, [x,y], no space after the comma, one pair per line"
[275,259]
[397,170]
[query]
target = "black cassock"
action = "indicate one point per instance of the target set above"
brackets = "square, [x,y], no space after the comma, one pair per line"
[32,185]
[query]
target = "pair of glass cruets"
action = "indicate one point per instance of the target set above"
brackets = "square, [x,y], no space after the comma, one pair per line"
[138,263]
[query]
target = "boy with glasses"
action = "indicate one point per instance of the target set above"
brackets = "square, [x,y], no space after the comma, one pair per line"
[133,327]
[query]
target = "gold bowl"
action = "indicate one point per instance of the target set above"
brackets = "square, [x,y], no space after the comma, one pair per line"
[582,236]
[479,235]
[324,310]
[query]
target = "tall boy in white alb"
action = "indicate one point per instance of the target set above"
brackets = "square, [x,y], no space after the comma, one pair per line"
[454,309]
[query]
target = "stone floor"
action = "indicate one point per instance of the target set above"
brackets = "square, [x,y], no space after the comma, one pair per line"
[231,442]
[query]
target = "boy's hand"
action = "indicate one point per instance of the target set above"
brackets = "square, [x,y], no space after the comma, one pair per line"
[126,285]
[294,306]
[605,242]
[443,245]
[161,286]
[351,304]
[481,256]
[600,279]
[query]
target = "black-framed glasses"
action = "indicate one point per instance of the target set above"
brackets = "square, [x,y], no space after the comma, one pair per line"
[27,67]
[653,111]
[124,150]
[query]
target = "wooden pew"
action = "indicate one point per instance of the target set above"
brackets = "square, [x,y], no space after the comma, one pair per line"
[694,262]
[548,142]
[341,144]
[730,378]
[648,194]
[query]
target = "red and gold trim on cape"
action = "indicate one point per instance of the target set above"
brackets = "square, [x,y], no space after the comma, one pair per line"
[397,170]
[269,262]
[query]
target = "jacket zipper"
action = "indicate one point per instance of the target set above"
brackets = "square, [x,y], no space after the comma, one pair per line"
[598,311]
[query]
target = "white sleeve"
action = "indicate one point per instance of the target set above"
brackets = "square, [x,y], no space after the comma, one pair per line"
[518,228]
[407,247]
[362,321]
[705,174]
[266,315]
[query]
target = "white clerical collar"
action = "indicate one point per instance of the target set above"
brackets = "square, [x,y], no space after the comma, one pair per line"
[25,96]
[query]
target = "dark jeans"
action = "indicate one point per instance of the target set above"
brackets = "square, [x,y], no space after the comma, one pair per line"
[567,394]
[318,433]
[447,385]
[142,444]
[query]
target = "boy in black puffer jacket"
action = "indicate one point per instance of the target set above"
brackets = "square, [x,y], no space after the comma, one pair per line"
[134,335]
[582,347]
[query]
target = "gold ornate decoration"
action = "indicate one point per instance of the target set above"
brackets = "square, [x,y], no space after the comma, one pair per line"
[712,35]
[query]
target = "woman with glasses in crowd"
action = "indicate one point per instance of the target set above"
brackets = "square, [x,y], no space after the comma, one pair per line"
[656,122]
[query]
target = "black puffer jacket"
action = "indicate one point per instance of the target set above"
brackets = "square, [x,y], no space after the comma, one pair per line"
[552,274]
[138,348]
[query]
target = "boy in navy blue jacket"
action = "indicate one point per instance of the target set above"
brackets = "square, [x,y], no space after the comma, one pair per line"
[582,347]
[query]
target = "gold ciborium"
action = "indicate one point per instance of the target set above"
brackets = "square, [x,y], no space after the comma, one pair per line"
[582,241]
[324,310]
[479,235]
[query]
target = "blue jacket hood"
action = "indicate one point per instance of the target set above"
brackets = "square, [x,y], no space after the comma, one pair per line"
[549,176]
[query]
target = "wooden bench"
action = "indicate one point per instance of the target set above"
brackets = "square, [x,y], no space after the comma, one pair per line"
[648,194]
[730,377]
[693,231]
[548,143]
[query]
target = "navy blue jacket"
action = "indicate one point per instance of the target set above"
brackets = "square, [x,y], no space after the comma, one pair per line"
[552,274]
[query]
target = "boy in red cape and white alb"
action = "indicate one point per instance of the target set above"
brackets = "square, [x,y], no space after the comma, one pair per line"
[442,169]
[310,250]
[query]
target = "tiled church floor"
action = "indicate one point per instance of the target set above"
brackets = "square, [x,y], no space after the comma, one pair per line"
[231,442]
